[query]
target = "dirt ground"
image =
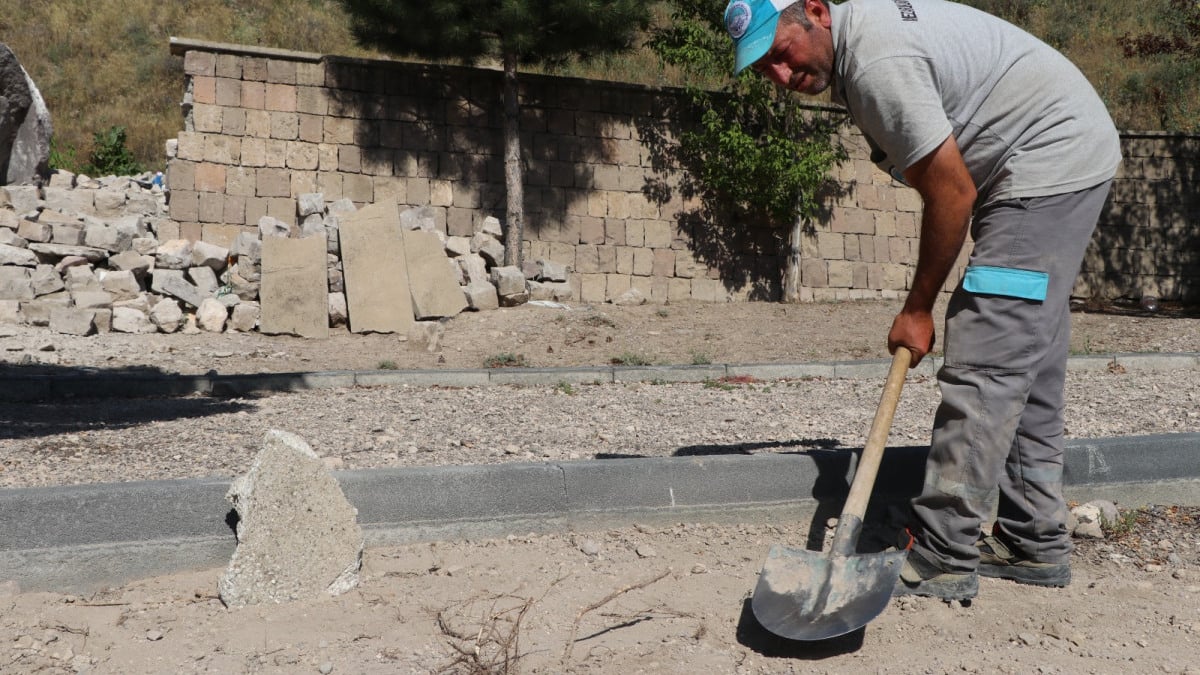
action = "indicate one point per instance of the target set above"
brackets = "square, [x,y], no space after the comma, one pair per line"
[570,335]
[641,599]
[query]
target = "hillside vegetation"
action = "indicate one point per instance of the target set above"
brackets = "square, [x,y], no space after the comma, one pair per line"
[105,63]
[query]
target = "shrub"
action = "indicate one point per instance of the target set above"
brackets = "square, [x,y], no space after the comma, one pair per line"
[110,156]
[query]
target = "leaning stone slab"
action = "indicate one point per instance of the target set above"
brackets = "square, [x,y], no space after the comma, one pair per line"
[298,535]
[293,296]
[59,251]
[375,270]
[431,279]
[172,283]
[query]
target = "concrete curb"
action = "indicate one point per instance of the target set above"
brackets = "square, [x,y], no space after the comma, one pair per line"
[99,383]
[79,538]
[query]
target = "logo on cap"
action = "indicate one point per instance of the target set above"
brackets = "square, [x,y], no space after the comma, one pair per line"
[737,19]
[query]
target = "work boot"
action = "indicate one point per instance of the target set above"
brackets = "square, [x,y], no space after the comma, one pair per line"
[998,561]
[918,576]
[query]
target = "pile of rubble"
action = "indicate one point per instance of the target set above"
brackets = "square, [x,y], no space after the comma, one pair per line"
[83,255]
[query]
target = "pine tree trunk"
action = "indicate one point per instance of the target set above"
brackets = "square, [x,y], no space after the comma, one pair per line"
[791,273]
[514,179]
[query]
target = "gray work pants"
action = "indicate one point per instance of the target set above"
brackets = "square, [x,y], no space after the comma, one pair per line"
[998,432]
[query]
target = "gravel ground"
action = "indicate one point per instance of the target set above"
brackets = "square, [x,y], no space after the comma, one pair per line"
[112,440]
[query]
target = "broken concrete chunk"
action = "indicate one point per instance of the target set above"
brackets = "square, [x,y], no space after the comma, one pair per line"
[491,225]
[175,254]
[205,280]
[244,317]
[558,291]
[16,284]
[69,234]
[481,296]
[172,283]
[548,270]
[80,278]
[209,255]
[31,230]
[110,239]
[337,309]
[46,280]
[59,251]
[8,237]
[508,280]
[89,299]
[121,283]
[131,320]
[423,218]
[630,298]
[212,315]
[310,203]
[458,246]
[474,268]
[72,321]
[273,227]
[131,261]
[487,246]
[298,536]
[167,315]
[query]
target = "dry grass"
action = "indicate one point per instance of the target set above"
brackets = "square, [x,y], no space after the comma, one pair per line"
[106,62]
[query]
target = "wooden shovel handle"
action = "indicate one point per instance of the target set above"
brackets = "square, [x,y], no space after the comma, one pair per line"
[868,466]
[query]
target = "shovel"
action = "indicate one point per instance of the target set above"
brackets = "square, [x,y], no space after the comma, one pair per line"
[806,595]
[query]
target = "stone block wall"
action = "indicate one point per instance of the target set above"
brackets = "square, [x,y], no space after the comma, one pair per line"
[264,126]
[1148,238]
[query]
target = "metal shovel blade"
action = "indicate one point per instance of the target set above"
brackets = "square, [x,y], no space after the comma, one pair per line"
[806,595]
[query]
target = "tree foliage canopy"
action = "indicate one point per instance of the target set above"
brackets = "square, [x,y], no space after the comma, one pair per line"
[757,150]
[471,30]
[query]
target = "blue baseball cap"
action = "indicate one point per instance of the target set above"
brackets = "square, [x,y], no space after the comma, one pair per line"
[751,24]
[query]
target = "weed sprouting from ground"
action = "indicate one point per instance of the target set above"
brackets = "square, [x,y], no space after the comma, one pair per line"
[505,360]
[630,359]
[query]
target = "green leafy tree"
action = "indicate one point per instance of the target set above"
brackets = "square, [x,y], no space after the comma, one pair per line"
[512,31]
[758,155]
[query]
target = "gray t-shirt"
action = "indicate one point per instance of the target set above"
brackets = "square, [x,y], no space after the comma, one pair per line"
[912,72]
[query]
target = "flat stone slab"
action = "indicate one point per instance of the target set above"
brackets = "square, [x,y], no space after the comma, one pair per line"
[293,292]
[435,290]
[375,270]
